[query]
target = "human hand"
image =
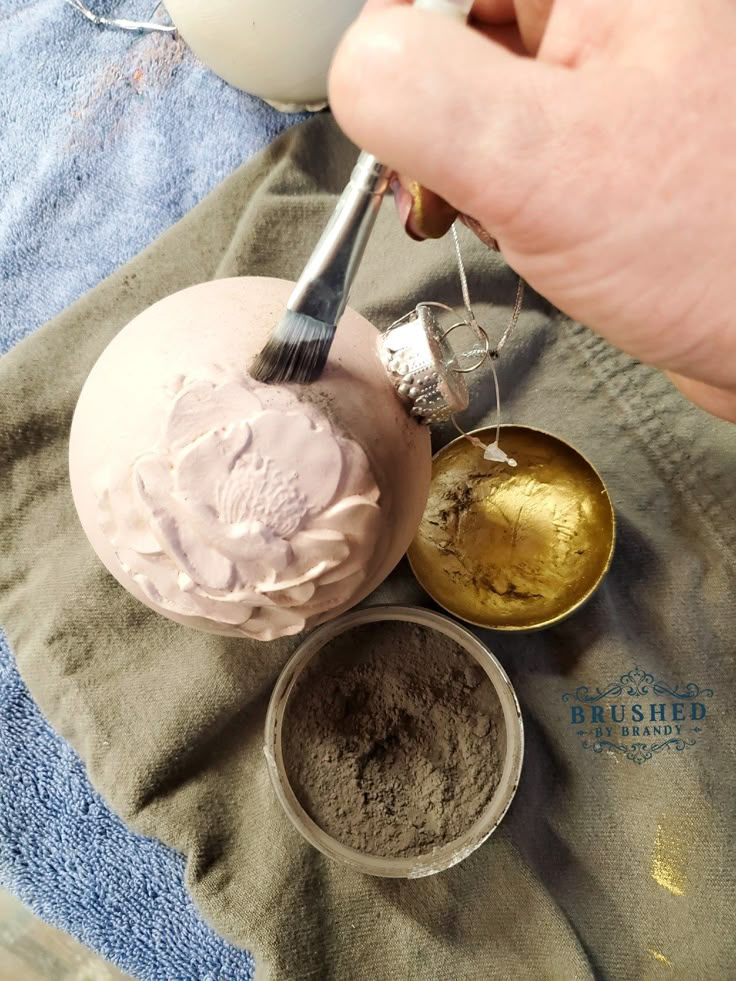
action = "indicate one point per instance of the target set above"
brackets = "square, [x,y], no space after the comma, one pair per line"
[423,213]
[605,168]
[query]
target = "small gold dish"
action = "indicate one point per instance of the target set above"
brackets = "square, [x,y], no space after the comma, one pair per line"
[513,548]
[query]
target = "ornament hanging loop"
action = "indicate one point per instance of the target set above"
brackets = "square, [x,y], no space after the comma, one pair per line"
[423,367]
[485,342]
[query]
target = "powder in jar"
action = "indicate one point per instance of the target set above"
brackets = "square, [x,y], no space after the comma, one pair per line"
[393,739]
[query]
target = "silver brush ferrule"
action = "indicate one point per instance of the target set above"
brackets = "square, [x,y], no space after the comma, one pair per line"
[323,288]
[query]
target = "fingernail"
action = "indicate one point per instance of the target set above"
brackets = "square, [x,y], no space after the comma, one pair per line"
[431,216]
[406,205]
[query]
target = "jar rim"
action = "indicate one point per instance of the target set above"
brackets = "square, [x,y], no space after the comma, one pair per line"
[449,854]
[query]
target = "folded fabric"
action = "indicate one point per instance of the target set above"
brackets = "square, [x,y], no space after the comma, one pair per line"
[108,138]
[607,865]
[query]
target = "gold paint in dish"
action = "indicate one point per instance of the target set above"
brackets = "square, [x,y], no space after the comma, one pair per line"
[513,548]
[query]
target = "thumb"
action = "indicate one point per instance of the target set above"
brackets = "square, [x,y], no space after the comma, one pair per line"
[480,126]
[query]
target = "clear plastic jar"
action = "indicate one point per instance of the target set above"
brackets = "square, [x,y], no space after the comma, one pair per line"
[454,851]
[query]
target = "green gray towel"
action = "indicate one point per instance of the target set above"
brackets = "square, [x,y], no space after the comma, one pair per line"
[611,863]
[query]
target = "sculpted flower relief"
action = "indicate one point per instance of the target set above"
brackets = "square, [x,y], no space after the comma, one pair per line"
[250,511]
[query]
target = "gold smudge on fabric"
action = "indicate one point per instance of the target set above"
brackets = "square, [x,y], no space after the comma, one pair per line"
[669,859]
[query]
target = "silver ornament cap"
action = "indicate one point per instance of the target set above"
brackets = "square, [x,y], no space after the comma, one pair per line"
[418,359]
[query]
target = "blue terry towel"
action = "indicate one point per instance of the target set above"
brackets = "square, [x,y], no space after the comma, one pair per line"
[77,866]
[106,139]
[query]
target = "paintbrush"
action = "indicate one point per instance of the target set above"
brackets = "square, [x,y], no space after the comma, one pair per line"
[298,347]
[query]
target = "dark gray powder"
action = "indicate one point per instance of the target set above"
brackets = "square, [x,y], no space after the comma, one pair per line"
[394,739]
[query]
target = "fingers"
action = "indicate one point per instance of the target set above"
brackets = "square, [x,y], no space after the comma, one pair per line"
[506,35]
[485,11]
[494,11]
[478,124]
[719,402]
[423,213]
[373,6]
[532,17]
[475,226]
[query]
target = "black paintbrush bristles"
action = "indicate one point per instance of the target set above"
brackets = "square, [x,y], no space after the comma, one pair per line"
[296,351]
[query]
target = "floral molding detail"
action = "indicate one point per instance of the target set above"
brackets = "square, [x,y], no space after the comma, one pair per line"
[251,512]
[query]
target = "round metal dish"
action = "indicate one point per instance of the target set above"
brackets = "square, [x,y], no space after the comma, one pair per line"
[513,548]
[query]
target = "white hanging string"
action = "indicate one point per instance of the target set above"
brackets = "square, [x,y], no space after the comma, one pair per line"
[492,451]
[122,23]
